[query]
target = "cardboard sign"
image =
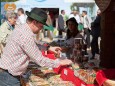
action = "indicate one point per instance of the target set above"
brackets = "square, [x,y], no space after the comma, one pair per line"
[65,71]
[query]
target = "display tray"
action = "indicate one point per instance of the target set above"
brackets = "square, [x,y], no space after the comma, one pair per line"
[61,76]
[78,80]
[44,77]
[68,76]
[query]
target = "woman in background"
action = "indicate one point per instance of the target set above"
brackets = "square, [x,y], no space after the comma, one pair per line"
[6,28]
[72,32]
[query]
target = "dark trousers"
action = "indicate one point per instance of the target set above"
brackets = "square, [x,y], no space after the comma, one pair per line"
[94,46]
[6,79]
[60,33]
[87,33]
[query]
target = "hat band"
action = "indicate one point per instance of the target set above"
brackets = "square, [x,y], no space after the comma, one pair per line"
[38,18]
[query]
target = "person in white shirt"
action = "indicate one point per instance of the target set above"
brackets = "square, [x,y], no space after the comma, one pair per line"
[86,20]
[87,27]
[72,32]
[75,14]
[21,16]
[61,23]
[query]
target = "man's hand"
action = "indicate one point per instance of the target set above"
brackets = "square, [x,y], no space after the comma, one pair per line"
[54,49]
[109,83]
[65,62]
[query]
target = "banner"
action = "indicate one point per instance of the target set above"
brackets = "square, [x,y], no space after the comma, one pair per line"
[80,1]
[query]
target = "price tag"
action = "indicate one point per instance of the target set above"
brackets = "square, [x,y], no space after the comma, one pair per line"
[46,53]
[65,72]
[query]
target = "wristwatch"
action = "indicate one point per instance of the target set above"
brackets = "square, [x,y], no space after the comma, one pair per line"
[47,47]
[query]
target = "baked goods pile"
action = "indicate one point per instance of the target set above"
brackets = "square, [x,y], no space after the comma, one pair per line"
[42,76]
[48,79]
[88,76]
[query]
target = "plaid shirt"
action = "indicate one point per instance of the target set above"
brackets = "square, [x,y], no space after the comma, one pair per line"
[20,49]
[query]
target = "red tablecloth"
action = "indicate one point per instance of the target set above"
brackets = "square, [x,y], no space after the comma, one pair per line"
[67,74]
[103,75]
[51,56]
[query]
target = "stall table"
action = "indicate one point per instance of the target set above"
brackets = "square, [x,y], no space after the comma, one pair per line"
[67,74]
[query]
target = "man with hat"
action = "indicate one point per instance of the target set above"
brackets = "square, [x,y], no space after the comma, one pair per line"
[21,48]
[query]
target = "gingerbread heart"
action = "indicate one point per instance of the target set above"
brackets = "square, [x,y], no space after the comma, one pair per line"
[10,6]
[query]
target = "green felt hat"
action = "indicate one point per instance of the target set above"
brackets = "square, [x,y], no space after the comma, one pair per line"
[38,15]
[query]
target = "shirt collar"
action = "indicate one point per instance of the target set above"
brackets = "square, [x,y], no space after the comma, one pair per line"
[85,15]
[8,23]
[22,15]
[11,28]
[29,30]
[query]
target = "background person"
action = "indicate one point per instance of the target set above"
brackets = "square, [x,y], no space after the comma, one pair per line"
[50,27]
[6,28]
[87,27]
[21,16]
[72,32]
[76,15]
[95,31]
[61,23]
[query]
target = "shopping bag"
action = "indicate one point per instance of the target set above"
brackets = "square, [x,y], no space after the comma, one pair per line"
[50,27]
[80,27]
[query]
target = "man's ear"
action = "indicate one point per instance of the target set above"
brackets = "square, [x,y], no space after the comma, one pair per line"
[35,22]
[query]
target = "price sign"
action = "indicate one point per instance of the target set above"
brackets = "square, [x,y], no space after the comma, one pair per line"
[83,85]
[65,71]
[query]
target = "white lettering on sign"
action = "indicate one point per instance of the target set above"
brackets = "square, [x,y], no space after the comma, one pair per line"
[65,71]
[83,85]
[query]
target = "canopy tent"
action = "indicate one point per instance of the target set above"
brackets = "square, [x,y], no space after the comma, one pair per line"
[28,4]
[80,1]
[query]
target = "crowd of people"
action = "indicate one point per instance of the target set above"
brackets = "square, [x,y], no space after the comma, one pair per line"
[18,45]
[20,48]
[88,29]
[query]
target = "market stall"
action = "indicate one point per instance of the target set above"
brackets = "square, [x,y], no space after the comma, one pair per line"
[77,76]
[80,73]
[61,76]
[41,76]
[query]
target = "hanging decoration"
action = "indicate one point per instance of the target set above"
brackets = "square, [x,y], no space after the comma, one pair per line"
[8,6]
